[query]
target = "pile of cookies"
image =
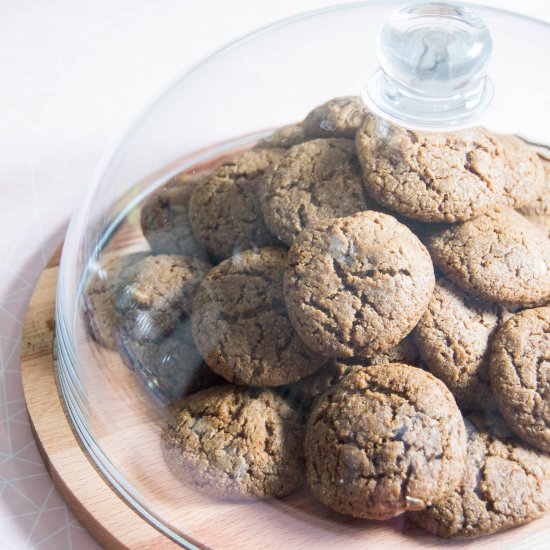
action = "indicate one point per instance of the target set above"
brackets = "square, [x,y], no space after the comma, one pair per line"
[356,306]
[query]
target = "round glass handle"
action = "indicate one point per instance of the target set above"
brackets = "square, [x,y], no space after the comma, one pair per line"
[433,59]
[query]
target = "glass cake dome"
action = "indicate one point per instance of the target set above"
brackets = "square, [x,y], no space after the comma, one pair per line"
[135,318]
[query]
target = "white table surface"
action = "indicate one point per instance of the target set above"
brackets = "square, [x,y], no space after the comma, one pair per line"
[73,75]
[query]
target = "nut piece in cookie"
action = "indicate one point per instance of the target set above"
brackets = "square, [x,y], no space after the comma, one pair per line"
[454,338]
[156,292]
[101,316]
[235,442]
[225,211]
[432,177]
[315,180]
[240,323]
[338,117]
[165,216]
[168,369]
[520,374]
[383,440]
[499,256]
[506,483]
[538,211]
[357,285]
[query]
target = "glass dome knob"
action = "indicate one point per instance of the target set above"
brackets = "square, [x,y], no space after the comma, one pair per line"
[433,59]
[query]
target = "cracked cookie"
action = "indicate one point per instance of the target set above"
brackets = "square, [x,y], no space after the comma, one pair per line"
[357,285]
[303,394]
[338,117]
[383,440]
[520,374]
[168,369]
[235,442]
[498,256]
[454,338]
[283,137]
[404,351]
[225,210]
[101,316]
[241,326]
[315,180]
[538,211]
[506,483]
[156,292]
[165,216]
[523,173]
[432,177]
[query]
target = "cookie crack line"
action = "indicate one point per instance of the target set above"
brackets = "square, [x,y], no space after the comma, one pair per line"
[368,273]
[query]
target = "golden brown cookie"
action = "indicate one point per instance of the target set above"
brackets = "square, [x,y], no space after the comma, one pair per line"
[225,210]
[432,177]
[520,374]
[235,442]
[169,368]
[454,338]
[240,323]
[156,292]
[405,351]
[102,317]
[506,483]
[523,172]
[498,256]
[357,285]
[538,211]
[338,117]
[383,440]
[315,180]
[282,138]
[303,394]
[165,216]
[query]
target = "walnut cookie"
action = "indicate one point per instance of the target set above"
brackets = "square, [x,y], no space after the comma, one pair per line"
[235,442]
[498,256]
[506,483]
[454,337]
[524,172]
[338,117]
[520,375]
[165,216]
[315,180]
[304,393]
[383,440]
[101,315]
[241,326]
[156,292]
[538,211]
[444,177]
[225,210]
[357,285]
[169,368]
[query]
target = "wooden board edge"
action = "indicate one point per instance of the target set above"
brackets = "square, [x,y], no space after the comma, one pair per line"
[108,518]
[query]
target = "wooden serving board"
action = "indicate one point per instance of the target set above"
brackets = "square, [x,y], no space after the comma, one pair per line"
[131,441]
